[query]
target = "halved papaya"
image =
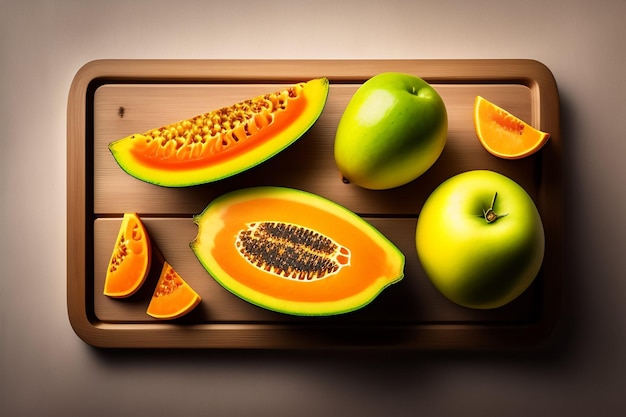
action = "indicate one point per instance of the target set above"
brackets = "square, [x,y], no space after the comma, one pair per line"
[130,261]
[294,252]
[172,297]
[223,142]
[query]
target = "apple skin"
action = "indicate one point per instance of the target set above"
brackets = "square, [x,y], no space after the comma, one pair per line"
[474,263]
[393,129]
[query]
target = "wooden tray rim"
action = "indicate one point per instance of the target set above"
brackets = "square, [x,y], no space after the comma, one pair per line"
[531,73]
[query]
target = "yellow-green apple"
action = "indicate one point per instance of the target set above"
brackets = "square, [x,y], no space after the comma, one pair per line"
[480,239]
[393,129]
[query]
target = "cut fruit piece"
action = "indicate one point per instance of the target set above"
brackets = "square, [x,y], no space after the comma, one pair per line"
[294,252]
[130,262]
[503,134]
[172,297]
[223,142]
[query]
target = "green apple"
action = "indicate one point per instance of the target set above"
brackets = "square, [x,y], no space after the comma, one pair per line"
[480,239]
[393,129]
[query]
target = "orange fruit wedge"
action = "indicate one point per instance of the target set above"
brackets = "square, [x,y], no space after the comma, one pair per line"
[503,134]
[172,297]
[130,261]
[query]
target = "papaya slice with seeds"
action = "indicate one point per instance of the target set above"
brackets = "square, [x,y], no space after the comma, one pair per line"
[223,142]
[131,258]
[173,297]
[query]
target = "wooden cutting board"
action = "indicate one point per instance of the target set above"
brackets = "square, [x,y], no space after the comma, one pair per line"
[110,99]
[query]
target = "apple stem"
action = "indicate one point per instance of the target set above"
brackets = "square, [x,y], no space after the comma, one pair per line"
[490,215]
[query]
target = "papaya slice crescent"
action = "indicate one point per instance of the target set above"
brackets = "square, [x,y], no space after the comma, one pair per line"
[223,142]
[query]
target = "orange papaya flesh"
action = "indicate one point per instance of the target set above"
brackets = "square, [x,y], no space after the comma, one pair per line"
[294,252]
[131,258]
[173,297]
[223,142]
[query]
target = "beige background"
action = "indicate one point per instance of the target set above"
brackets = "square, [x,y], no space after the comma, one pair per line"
[45,369]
